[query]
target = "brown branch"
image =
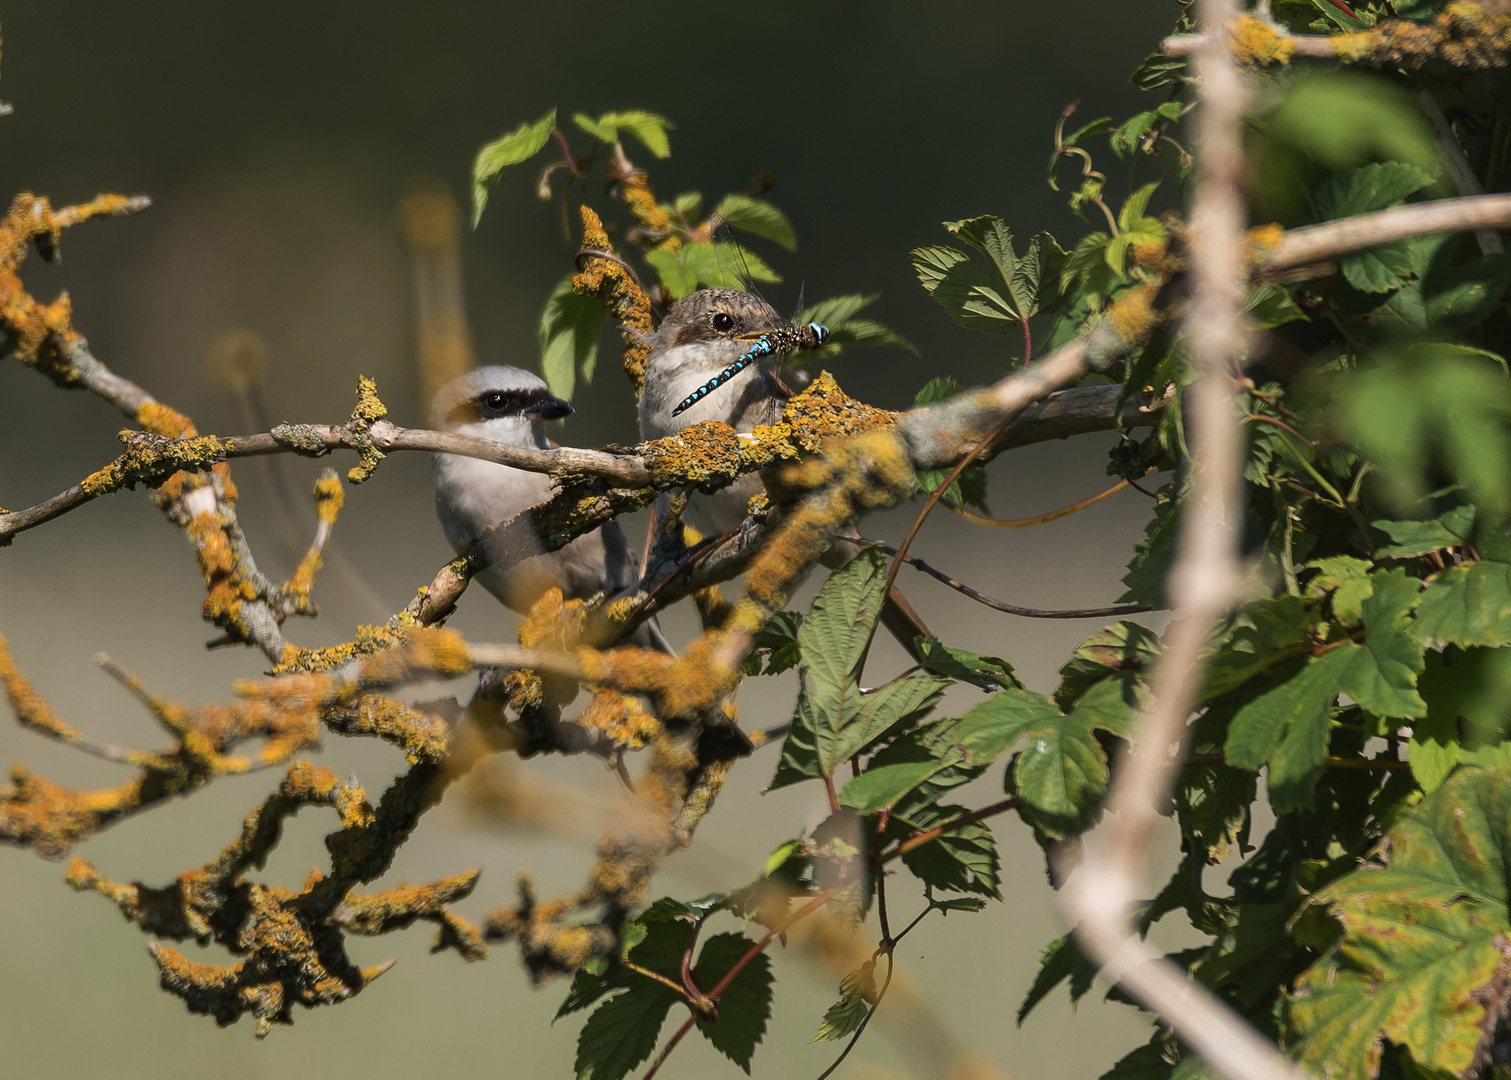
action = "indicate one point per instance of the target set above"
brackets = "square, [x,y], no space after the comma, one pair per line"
[960,822]
[1013,609]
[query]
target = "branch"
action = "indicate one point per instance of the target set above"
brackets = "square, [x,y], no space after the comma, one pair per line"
[1314,244]
[1205,583]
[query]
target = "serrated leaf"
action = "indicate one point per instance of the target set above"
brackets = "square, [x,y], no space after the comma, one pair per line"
[841,1018]
[1381,674]
[993,298]
[857,992]
[834,720]
[676,277]
[745,1005]
[1347,578]
[1153,556]
[1420,939]
[839,315]
[521,144]
[1120,649]
[1260,636]
[1372,187]
[1061,960]
[1466,605]
[623,1031]
[1412,539]
[1061,772]
[759,217]
[1287,727]
[961,860]
[648,127]
[1466,692]
[920,766]
[1146,1063]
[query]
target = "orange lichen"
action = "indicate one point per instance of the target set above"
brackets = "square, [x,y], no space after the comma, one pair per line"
[1464,36]
[641,200]
[1259,43]
[369,410]
[291,940]
[623,718]
[1133,315]
[606,280]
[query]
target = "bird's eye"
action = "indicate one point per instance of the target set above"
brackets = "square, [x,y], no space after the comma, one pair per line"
[493,401]
[723,323]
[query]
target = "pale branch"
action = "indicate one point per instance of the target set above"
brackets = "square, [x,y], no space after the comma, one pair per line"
[1102,894]
[1314,46]
[1312,245]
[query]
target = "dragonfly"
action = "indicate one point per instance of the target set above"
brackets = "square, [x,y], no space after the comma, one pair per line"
[786,338]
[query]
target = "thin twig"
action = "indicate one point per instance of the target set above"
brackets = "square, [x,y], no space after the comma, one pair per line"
[1013,609]
[1041,519]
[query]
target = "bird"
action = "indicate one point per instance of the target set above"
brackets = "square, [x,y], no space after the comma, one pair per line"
[510,405]
[701,336]
[705,363]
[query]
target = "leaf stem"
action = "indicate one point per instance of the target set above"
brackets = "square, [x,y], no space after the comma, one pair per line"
[1023,523]
[656,976]
[949,826]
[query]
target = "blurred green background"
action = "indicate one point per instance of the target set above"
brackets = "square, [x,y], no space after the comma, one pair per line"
[277,140]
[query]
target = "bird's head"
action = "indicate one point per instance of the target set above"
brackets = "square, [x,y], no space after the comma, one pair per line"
[502,403]
[713,328]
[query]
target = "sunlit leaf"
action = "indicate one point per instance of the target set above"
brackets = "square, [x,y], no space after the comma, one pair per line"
[521,144]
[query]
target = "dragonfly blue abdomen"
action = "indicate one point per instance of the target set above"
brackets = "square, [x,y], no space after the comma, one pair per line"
[782,340]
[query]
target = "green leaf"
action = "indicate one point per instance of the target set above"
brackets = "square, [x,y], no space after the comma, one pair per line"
[1259,637]
[838,314]
[1061,772]
[1061,960]
[961,860]
[1347,578]
[857,990]
[1372,187]
[1420,939]
[834,720]
[745,1005]
[1381,674]
[1412,539]
[1287,727]
[649,128]
[678,279]
[992,298]
[987,672]
[1408,413]
[521,144]
[759,217]
[777,637]
[1466,691]
[923,764]
[1124,648]
[568,335]
[1154,555]
[623,1031]
[1126,138]
[939,388]
[1466,605]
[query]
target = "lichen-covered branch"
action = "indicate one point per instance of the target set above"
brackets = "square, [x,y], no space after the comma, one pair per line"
[1464,36]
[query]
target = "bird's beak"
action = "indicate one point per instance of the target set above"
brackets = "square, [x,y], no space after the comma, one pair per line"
[550,408]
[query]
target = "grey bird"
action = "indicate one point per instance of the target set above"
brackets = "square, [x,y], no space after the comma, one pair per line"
[510,405]
[701,337]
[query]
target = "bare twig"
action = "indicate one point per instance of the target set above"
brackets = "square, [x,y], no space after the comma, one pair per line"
[1012,609]
[1206,582]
